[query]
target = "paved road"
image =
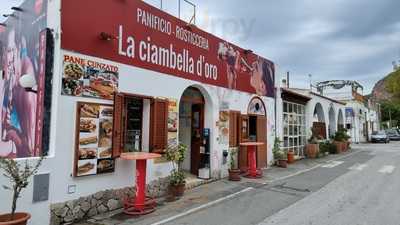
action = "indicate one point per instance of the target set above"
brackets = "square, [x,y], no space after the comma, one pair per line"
[360,189]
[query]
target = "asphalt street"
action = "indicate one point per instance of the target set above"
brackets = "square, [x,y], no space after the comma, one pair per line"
[359,189]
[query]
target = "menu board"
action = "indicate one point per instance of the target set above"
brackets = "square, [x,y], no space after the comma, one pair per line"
[93,145]
[88,78]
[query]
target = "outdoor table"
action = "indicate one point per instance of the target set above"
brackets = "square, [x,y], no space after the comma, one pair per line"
[140,204]
[251,159]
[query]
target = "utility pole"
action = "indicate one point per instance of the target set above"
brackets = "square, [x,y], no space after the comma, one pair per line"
[390,119]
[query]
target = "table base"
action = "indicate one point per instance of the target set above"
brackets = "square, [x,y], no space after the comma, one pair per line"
[257,175]
[134,209]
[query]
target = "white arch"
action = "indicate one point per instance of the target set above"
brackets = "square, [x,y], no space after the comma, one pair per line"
[340,118]
[208,118]
[318,115]
[332,122]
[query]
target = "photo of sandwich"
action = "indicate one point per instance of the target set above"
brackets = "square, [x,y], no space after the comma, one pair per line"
[104,88]
[105,165]
[87,153]
[106,112]
[105,132]
[90,110]
[86,167]
[88,140]
[105,153]
[87,125]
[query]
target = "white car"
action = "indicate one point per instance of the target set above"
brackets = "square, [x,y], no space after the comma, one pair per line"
[380,136]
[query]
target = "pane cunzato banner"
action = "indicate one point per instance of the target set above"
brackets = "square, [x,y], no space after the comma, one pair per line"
[137,34]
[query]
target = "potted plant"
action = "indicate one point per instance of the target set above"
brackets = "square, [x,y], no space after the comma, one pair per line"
[176,154]
[18,175]
[234,171]
[281,157]
[312,147]
[341,140]
[279,154]
[290,156]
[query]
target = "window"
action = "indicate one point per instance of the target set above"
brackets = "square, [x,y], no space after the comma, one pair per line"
[294,127]
[133,126]
[130,123]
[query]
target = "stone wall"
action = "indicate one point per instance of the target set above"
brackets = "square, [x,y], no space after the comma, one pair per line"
[100,202]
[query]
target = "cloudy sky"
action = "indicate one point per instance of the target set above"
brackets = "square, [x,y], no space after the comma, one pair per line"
[335,39]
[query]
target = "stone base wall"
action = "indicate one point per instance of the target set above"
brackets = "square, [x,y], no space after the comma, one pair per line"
[100,202]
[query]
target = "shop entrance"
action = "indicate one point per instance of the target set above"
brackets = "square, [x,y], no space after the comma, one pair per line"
[191,126]
[253,127]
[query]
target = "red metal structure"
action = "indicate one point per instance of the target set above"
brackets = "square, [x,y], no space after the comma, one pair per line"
[140,204]
[252,159]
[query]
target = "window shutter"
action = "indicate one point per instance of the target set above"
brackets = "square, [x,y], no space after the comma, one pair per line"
[159,125]
[117,123]
[233,129]
[262,137]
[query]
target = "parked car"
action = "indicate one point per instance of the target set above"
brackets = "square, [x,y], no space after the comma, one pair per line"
[393,135]
[380,136]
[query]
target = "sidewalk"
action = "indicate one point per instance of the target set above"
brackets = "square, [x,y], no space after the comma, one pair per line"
[213,193]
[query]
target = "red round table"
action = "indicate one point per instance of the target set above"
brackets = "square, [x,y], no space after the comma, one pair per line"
[252,159]
[140,204]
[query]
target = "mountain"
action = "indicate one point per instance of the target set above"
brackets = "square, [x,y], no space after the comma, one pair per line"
[388,89]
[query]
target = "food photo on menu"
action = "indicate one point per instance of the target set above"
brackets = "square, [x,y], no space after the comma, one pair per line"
[105,166]
[106,111]
[105,132]
[86,81]
[87,153]
[90,110]
[87,125]
[72,83]
[104,153]
[101,84]
[87,167]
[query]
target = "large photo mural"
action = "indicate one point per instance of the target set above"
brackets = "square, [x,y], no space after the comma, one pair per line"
[20,51]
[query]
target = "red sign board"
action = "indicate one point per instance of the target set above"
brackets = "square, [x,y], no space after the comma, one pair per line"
[135,33]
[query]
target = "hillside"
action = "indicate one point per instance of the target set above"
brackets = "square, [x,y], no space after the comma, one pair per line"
[388,89]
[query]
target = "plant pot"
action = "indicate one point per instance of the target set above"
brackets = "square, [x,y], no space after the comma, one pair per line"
[234,175]
[177,190]
[19,219]
[290,157]
[282,163]
[339,146]
[312,150]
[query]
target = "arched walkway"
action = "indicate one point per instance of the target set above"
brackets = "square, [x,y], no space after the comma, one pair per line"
[318,125]
[340,119]
[332,122]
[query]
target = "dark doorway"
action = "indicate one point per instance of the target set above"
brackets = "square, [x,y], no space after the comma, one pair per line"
[191,126]
[197,133]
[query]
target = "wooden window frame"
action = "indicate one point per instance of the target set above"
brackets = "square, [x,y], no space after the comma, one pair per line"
[117,150]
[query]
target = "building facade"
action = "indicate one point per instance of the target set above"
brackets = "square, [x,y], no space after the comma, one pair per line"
[123,76]
[361,114]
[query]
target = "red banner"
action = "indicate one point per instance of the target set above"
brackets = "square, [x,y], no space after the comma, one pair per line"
[135,33]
